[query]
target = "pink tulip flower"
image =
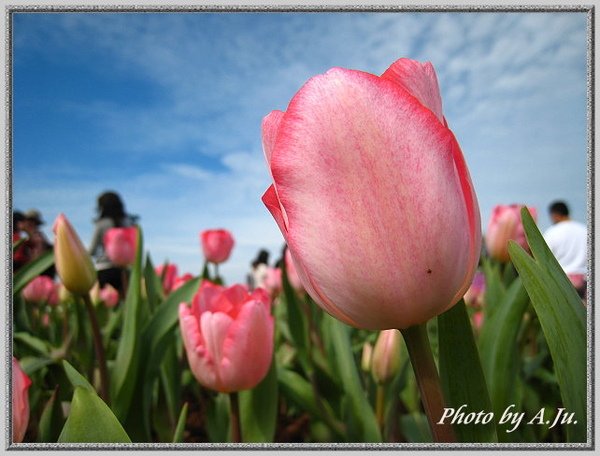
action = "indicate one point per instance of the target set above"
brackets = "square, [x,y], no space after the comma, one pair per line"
[476,292]
[228,336]
[40,290]
[20,401]
[109,295]
[373,195]
[170,274]
[73,262]
[272,282]
[179,281]
[505,225]
[216,245]
[120,245]
[292,273]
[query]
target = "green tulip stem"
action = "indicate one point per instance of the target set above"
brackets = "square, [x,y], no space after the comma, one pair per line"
[428,380]
[99,348]
[124,284]
[380,406]
[234,403]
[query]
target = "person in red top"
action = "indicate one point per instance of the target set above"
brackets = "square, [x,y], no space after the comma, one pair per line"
[20,255]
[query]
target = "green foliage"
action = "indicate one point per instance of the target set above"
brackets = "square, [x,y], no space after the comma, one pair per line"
[563,320]
[90,420]
[461,374]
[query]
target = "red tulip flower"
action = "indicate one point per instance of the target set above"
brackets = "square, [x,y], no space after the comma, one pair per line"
[228,336]
[170,274]
[20,401]
[120,245]
[41,290]
[373,196]
[216,245]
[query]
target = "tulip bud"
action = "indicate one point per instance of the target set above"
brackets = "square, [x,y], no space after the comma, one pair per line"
[20,401]
[505,225]
[386,355]
[64,295]
[120,245]
[367,354]
[73,263]
[170,275]
[216,245]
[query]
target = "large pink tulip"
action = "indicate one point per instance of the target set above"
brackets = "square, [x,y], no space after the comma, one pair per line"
[505,225]
[20,401]
[170,274]
[228,336]
[216,245]
[73,262]
[120,245]
[40,290]
[373,195]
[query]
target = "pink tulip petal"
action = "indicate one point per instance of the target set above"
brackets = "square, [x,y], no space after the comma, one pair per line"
[270,127]
[201,362]
[272,202]
[396,215]
[249,342]
[420,80]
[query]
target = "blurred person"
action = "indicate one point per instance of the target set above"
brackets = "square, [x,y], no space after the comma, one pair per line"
[111,214]
[37,243]
[20,255]
[258,270]
[567,240]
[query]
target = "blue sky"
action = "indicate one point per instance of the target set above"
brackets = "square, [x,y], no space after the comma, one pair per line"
[166,109]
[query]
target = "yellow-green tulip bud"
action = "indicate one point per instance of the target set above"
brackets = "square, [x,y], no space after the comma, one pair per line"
[386,355]
[367,352]
[73,263]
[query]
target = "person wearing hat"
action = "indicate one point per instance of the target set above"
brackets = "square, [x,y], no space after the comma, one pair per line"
[36,243]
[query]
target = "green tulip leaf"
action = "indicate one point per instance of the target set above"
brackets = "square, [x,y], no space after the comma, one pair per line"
[258,409]
[343,359]
[39,346]
[153,284]
[499,350]
[126,365]
[155,336]
[76,379]
[51,420]
[90,420]
[461,374]
[179,430]
[563,320]
[218,418]
[296,321]
[31,270]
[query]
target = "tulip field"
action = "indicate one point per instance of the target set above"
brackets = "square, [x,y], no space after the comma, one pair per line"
[374,329]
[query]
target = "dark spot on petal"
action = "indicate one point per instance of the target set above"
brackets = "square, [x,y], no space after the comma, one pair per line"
[429,271]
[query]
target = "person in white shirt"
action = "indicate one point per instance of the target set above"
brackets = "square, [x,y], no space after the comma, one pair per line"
[568,241]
